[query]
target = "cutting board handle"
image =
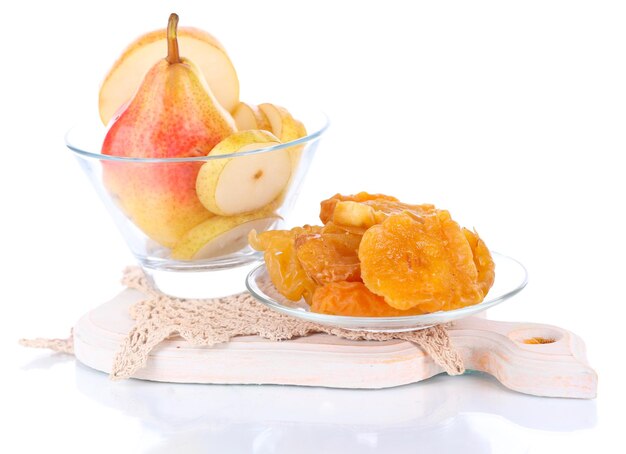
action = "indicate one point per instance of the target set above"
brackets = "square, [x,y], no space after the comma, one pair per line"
[532,358]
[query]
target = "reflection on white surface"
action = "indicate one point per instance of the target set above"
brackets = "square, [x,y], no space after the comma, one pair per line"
[48,361]
[472,413]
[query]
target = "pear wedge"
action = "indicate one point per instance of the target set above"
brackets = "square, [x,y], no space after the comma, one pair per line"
[283,124]
[221,235]
[243,184]
[249,116]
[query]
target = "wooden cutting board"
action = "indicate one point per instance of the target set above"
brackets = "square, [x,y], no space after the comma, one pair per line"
[557,368]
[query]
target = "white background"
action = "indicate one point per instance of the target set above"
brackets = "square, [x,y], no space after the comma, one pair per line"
[510,114]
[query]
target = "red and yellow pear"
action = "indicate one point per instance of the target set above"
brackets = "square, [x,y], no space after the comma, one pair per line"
[173,114]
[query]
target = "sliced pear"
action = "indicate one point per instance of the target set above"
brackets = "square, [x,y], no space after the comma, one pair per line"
[284,126]
[249,116]
[221,235]
[237,185]
[198,46]
[282,123]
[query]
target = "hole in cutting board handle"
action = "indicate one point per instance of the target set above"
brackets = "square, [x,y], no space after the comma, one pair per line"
[536,336]
[538,340]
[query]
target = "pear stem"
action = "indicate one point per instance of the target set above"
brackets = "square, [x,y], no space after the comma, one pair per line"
[172,41]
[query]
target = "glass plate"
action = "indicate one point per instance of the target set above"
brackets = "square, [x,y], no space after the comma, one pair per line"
[511,278]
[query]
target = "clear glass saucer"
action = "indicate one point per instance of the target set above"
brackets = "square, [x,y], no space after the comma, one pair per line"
[511,278]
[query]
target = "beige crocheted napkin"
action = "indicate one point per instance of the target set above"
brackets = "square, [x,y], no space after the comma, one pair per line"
[213,321]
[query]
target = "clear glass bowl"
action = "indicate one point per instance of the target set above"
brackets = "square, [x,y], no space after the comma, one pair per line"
[153,216]
[511,278]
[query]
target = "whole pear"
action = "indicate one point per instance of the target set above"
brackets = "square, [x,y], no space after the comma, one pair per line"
[173,115]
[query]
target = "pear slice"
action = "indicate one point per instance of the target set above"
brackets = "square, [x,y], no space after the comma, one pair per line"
[282,123]
[196,45]
[249,116]
[286,128]
[221,235]
[237,185]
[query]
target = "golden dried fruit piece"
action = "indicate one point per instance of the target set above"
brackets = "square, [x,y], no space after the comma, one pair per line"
[329,257]
[356,214]
[353,299]
[464,276]
[482,259]
[423,262]
[331,227]
[282,263]
[327,207]
[364,210]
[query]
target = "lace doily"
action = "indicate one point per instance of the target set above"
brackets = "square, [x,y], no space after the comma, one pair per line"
[206,322]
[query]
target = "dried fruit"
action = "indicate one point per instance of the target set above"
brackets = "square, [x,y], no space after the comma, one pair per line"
[376,256]
[329,256]
[327,207]
[282,263]
[331,227]
[365,210]
[353,299]
[482,259]
[422,262]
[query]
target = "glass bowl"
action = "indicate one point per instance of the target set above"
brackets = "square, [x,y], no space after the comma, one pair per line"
[511,278]
[185,249]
